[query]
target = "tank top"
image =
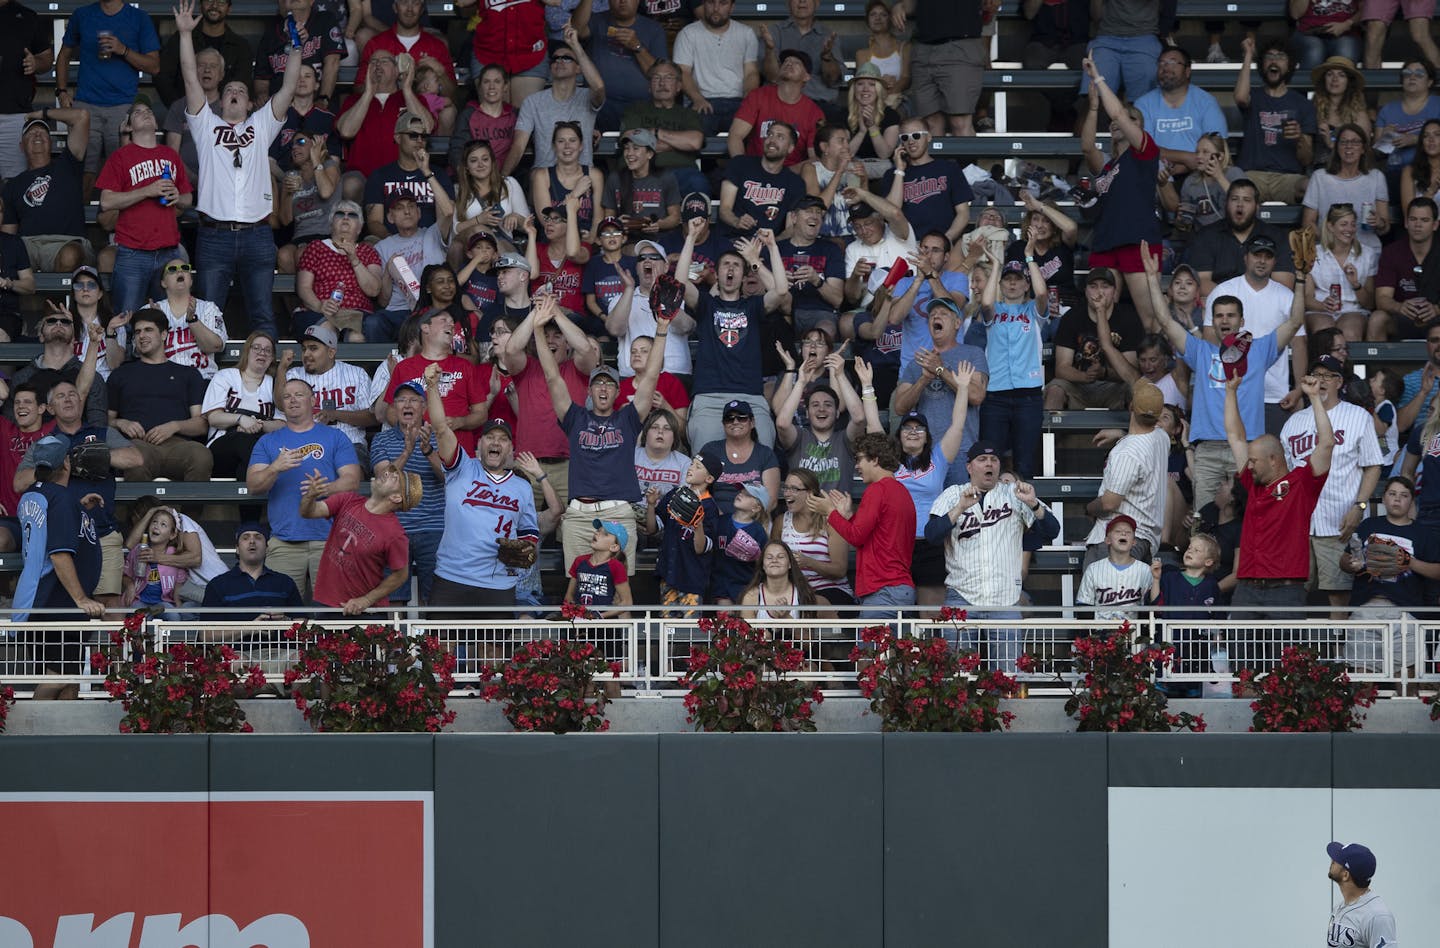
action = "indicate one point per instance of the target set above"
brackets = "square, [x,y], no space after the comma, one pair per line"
[763,613]
[888,65]
[817,548]
[837,216]
[586,212]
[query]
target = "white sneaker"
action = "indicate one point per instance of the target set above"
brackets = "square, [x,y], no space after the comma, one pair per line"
[1216,54]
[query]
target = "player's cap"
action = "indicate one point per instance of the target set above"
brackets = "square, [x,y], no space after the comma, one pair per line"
[1330,364]
[981,448]
[713,460]
[497,424]
[1146,399]
[914,417]
[618,531]
[408,121]
[508,260]
[695,205]
[414,385]
[642,137]
[1122,519]
[760,492]
[323,334]
[50,451]
[648,249]
[604,371]
[1101,275]
[399,196]
[613,225]
[738,406]
[1355,859]
[1260,243]
[252,526]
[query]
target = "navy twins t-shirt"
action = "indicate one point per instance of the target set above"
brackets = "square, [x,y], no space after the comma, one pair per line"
[764,196]
[827,259]
[595,584]
[1127,194]
[601,279]
[728,335]
[602,453]
[931,192]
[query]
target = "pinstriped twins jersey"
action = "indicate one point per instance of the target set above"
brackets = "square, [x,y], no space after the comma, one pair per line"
[480,509]
[348,386]
[1356,447]
[1138,469]
[1365,923]
[982,551]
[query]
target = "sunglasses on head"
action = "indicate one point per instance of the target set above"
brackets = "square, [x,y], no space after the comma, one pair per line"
[179,268]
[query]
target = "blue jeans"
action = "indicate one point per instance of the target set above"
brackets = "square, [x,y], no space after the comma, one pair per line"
[721,115]
[1126,62]
[887,602]
[1002,646]
[1313,50]
[1012,419]
[303,319]
[135,280]
[423,546]
[383,325]
[691,179]
[249,255]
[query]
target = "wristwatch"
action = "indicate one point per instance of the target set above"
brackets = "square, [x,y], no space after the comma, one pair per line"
[191,319]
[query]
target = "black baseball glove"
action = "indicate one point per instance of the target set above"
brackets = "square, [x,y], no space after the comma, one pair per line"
[90,461]
[667,297]
[685,507]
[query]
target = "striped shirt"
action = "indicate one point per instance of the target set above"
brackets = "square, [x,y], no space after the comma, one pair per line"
[1137,469]
[1356,448]
[815,546]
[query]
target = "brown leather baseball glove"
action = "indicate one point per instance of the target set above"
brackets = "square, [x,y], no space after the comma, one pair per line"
[1302,248]
[516,554]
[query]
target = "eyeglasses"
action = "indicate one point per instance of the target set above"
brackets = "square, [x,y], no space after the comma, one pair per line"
[605,380]
[1413,73]
[236,155]
[1325,376]
[413,136]
[350,214]
[84,285]
[179,268]
[912,136]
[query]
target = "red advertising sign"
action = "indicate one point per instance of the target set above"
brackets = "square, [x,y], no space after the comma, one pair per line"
[217,870]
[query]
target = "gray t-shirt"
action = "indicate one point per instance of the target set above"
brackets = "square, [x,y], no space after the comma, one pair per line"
[718,60]
[1325,189]
[175,123]
[540,112]
[937,400]
[788,36]
[831,461]
[1130,18]
[420,250]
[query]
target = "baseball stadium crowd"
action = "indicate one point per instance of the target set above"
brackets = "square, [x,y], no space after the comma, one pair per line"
[808,368]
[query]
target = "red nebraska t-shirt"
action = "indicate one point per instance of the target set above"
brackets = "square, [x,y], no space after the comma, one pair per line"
[148,225]
[460,387]
[1275,535]
[361,546]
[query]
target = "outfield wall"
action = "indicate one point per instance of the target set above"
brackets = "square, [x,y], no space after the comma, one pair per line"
[391,841]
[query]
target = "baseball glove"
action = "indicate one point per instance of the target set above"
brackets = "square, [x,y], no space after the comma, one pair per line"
[667,297]
[685,507]
[1384,558]
[517,554]
[90,461]
[1302,248]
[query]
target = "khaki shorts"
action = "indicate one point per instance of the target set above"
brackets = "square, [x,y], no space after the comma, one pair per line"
[43,249]
[1325,570]
[112,565]
[296,560]
[1113,395]
[1278,186]
[946,77]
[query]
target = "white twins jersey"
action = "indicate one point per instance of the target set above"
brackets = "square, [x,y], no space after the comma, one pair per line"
[1356,448]
[346,385]
[982,552]
[1365,923]
[1138,469]
[1266,310]
[1113,590]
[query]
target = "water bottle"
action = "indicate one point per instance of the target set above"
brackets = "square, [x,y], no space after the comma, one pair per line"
[337,295]
[642,684]
[293,30]
[1219,657]
[164,176]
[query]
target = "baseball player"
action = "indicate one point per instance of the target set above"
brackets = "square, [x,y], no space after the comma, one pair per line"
[981,525]
[1361,920]
[1354,471]
[487,509]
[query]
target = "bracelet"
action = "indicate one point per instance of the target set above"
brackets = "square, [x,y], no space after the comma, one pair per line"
[792,372]
[1029,259]
[867,398]
[868,390]
[899,172]
[542,476]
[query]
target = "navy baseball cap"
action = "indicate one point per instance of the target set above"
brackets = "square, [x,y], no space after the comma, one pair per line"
[1356,859]
[1260,243]
[1330,364]
[914,417]
[497,424]
[252,526]
[738,406]
[713,460]
[980,449]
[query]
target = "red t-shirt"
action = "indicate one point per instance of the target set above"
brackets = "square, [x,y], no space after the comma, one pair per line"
[510,33]
[764,105]
[13,445]
[499,130]
[564,277]
[331,268]
[374,145]
[1275,535]
[426,44]
[667,385]
[361,547]
[540,432]
[460,387]
[148,225]
[883,535]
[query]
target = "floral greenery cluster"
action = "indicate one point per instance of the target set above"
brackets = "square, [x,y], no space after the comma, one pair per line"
[549,685]
[7,701]
[370,678]
[1305,693]
[187,688]
[1117,691]
[922,684]
[738,680]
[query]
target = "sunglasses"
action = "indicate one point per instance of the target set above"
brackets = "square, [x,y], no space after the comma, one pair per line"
[729,418]
[651,256]
[350,214]
[1413,73]
[58,321]
[912,136]
[179,268]
[562,59]
[84,285]
[413,136]
[301,141]
[238,162]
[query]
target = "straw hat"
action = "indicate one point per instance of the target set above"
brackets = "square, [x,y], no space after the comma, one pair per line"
[1345,65]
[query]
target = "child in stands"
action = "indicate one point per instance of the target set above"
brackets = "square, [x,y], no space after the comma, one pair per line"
[1114,586]
[599,579]
[742,537]
[150,583]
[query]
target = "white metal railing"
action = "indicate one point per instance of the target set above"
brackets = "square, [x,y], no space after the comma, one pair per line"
[652,648]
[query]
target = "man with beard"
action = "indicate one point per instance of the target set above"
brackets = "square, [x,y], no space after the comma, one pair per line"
[759,191]
[236,54]
[1279,137]
[409,445]
[602,442]
[1178,113]
[630,316]
[1362,919]
[1217,253]
[624,47]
